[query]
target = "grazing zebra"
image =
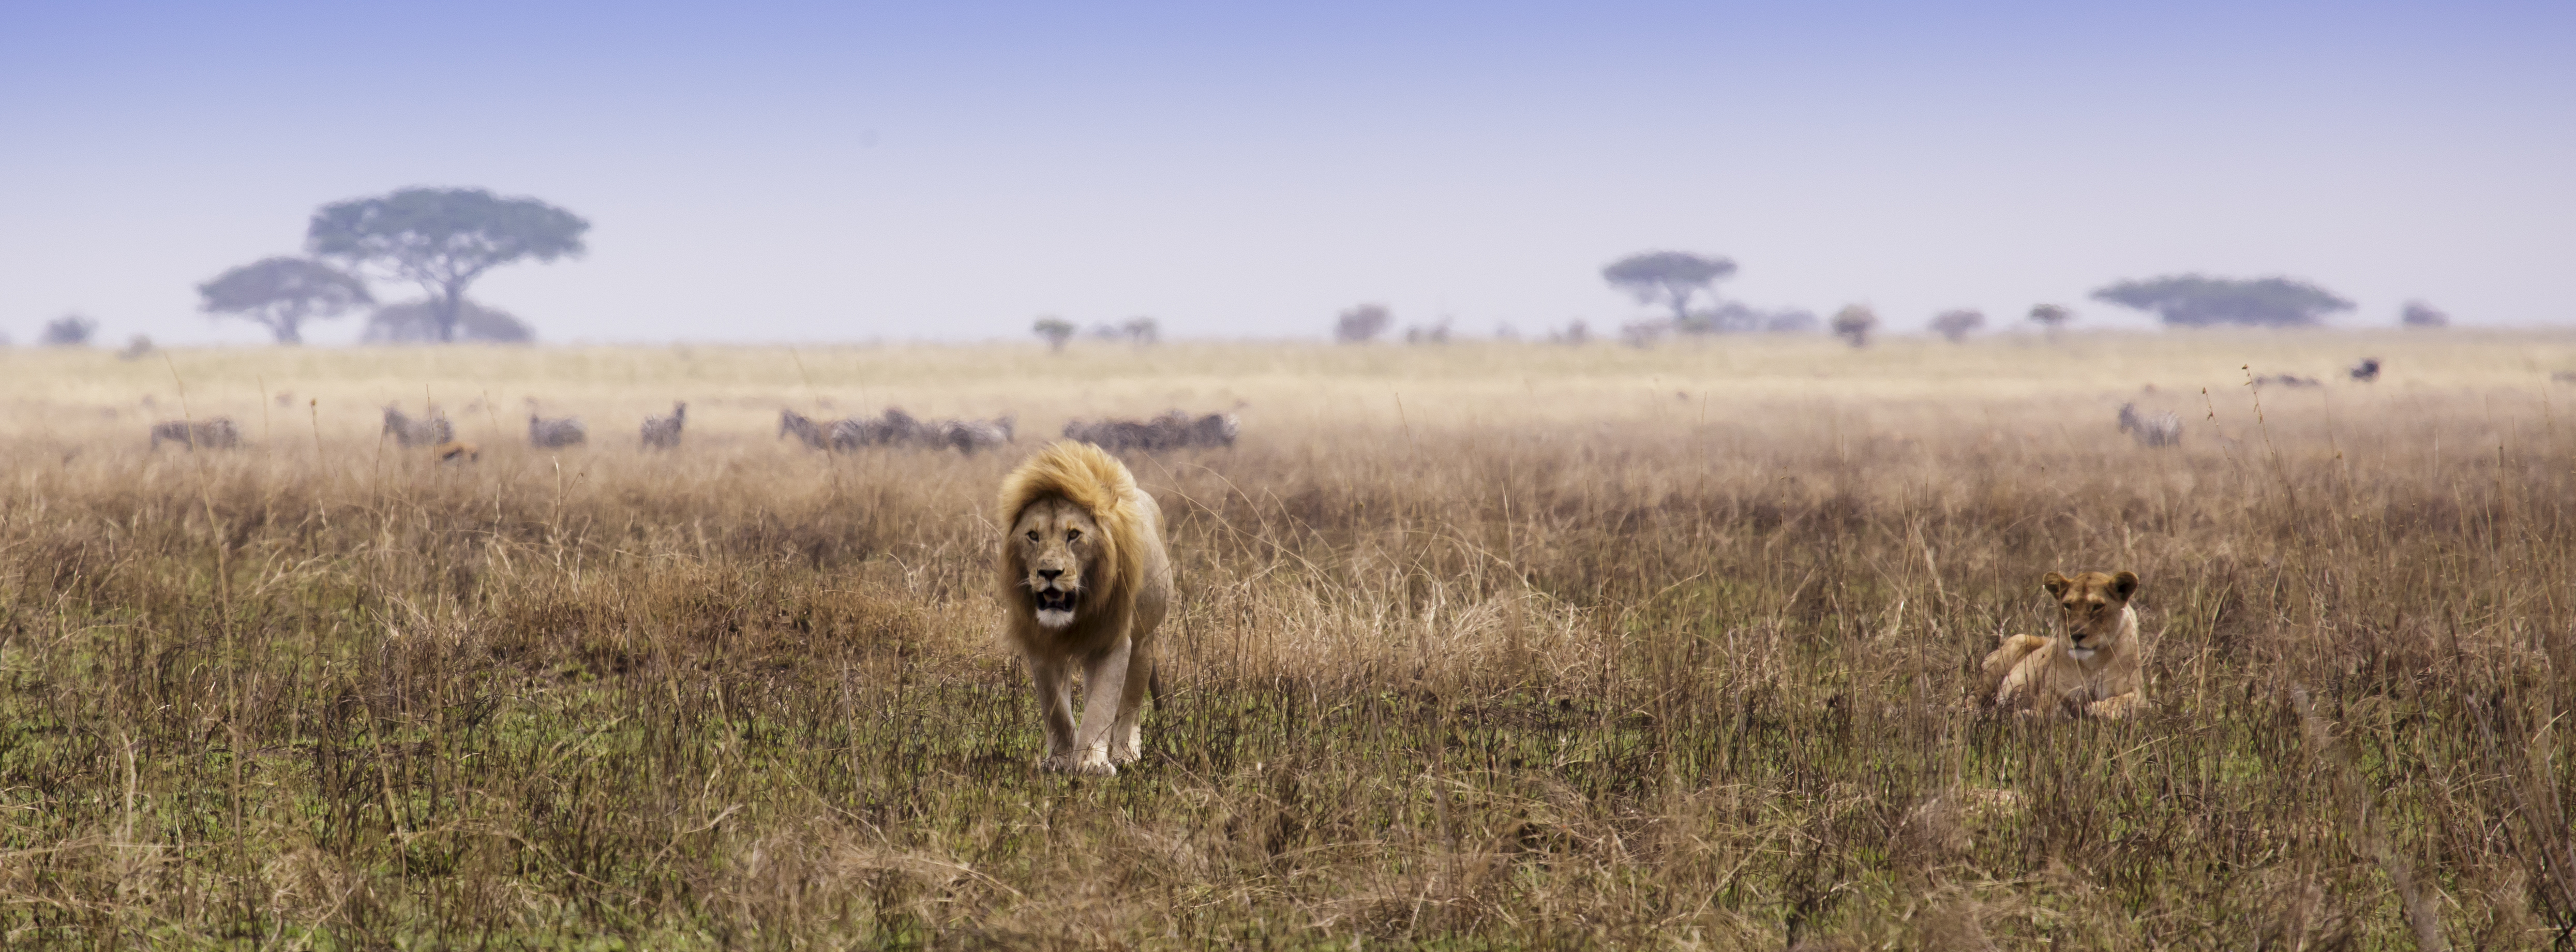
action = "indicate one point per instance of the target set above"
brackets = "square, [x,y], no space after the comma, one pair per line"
[969,436]
[1173,430]
[216,433]
[663,432]
[558,432]
[812,434]
[891,428]
[2367,371]
[2163,429]
[411,433]
[457,451]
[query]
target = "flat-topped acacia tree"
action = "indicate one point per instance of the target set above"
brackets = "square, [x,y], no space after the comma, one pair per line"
[1670,278]
[2193,300]
[282,293]
[442,239]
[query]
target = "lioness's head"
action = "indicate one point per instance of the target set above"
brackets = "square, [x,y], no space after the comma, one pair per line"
[2090,606]
[1054,546]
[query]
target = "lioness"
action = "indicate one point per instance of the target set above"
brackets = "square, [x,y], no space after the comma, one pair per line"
[1086,581]
[2091,671]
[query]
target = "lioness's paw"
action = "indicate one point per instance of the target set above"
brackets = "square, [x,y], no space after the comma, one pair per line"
[1091,763]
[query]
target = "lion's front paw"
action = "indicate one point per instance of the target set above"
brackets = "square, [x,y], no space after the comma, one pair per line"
[1090,763]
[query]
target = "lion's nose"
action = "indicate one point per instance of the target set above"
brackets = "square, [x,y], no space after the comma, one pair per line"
[1049,574]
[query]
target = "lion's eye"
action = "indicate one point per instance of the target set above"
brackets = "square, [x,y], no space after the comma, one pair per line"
[1033,535]
[1072,535]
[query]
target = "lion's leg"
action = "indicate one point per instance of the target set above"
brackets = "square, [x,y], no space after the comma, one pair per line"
[1104,684]
[1055,707]
[2002,659]
[1127,736]
[2118,706]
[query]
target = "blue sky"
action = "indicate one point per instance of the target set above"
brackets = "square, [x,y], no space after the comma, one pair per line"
[847,172]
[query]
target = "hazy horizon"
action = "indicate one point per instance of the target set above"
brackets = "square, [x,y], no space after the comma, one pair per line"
[796,174]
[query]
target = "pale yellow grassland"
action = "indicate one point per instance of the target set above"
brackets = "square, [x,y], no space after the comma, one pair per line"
[1480,645]
[735,392]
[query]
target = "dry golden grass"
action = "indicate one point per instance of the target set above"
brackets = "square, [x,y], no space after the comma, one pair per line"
[1479,646]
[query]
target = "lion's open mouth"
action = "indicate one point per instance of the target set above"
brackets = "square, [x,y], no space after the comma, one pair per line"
[1054,606]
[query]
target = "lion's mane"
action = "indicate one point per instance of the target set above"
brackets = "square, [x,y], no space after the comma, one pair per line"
[1090,478]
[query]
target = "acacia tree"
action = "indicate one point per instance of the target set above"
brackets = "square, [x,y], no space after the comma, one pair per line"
[69,330]
[1362,324]
[2192,300]
[2050,317]
[1142,331]
[1054,330]
[443,239]
[282,293]
[1672,278]
[1853,324]
[2420,314]
[1956,325]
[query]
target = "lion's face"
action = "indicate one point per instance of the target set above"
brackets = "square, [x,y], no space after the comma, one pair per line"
[1056,544]
[2089,606]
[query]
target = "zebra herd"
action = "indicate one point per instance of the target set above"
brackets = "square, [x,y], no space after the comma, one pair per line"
[214,434]
[895,428]
[1173,430]
[892,428]
[1170,431]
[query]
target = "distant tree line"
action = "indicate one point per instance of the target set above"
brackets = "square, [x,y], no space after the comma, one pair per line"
[441,239]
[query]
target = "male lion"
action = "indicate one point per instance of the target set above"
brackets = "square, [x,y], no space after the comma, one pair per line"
[1087,581]
[2092,671]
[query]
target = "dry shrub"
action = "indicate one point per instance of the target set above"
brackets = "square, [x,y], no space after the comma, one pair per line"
[1594,671]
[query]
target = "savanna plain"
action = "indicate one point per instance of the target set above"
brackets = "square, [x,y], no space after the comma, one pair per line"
[1482,645]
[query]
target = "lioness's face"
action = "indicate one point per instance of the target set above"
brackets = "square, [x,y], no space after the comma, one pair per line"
[1057,544]
[2089,605]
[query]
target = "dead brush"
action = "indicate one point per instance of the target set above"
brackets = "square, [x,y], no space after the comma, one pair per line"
[1617,674]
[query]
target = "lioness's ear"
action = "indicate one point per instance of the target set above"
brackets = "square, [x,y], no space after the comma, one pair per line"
[2055,583]
[2123,584]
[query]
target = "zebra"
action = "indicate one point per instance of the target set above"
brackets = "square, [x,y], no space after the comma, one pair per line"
[2163,429]
[411,433]
[891,428]
[968,436]
[558,432]
[814,435]
[217,433]
[663,432]
[1172,430]
[2367,371]
[1216,429]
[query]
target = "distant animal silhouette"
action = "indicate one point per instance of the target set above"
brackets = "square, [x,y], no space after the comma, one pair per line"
[2163,429]
[2285,380]
[814,435]
[411,433]
[217,433]
[2366,371]
[891,428]
[457,451]
[663,432]
[970,436]
[556,433]
[1173,430]
[895,428]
